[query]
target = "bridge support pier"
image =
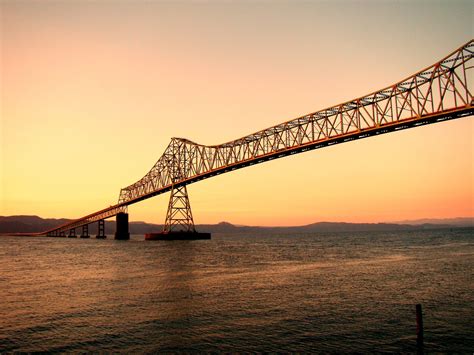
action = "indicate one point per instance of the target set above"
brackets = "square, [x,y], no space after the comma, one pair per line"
[62,234]
[101,230]
[179,224]
[121,231]
[72,233]
[85,231]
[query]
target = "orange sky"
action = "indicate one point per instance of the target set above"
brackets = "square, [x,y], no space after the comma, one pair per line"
[92,92]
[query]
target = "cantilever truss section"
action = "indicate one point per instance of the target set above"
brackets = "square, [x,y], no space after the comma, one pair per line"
[440,92]
[442,89]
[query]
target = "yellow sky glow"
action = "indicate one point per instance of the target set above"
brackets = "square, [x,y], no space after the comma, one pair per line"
[92,92]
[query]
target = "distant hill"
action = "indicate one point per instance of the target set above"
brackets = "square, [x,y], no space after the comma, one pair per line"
[459,222]
[28,224]
[32,224]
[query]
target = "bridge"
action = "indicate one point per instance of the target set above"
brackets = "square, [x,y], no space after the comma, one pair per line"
[440,92]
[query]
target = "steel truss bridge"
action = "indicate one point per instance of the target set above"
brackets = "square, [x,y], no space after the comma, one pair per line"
[442,91]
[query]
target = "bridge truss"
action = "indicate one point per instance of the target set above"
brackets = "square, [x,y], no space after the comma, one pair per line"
[443,91]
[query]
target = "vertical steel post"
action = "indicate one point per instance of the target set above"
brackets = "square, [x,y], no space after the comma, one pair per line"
[419,329]
[179,217]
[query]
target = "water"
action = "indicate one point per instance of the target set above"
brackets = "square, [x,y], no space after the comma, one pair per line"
[340,292]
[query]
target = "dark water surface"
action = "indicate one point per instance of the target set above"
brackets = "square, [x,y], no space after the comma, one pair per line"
[340,292]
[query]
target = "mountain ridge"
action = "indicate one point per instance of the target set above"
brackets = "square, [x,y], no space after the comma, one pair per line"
[33,224]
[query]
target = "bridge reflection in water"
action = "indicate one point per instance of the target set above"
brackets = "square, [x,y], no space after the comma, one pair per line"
[437,93]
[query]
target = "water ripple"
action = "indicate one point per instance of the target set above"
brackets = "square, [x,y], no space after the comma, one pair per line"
[345,292]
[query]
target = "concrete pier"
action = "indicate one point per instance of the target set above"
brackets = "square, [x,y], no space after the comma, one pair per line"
[72,233]
[121,231]
[101,230]
[85,231]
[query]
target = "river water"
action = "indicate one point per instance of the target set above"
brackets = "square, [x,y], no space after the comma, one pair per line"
[334,292]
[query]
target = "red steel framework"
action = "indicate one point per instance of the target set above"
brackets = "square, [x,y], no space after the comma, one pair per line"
[441,92]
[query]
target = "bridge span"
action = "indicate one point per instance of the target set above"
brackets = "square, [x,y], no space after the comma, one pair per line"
[440,92]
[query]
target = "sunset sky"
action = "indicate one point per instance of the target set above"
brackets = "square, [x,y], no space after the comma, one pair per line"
[92,92]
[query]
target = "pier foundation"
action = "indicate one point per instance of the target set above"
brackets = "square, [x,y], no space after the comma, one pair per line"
[72,233]
[181,235]
[121,231]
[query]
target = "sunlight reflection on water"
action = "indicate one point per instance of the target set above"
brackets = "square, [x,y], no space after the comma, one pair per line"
[331,292]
